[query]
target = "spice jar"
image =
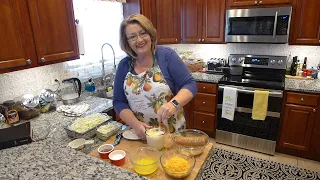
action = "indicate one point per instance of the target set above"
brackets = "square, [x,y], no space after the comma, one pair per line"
[11,113]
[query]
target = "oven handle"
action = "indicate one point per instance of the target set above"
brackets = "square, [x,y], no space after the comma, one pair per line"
[249,110]
[275,24]
[247,90]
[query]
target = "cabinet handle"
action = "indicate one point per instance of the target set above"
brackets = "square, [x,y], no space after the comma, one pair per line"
[260,2]
[199,40]
[202,122]
[176,40]
[319,41]
[255,2]
[43,59]
[202,40]
[204,88]
[302,99]
[203,102]
[314,110]
[29,61]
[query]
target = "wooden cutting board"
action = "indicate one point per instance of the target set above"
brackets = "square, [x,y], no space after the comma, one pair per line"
[298,77]
[132,146]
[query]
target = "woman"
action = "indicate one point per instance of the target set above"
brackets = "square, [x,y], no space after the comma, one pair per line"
[152,84]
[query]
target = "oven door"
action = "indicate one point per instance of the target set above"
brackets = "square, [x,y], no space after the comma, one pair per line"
[243,123]
[263,25]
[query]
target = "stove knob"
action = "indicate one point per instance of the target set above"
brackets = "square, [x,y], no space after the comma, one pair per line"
[273,61]
[241,60]
[234,59]
[280,62]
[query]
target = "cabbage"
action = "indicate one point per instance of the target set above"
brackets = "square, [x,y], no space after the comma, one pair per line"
[84,124]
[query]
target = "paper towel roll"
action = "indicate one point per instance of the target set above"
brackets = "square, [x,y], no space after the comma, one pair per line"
[80,38]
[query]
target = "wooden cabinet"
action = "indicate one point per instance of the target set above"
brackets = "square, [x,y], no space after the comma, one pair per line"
[300,125]
[201,111]
[202,21]
[54,30]
[306,23]
[297,127]
[16,44]
[36,33]
[232,3]
[164,15]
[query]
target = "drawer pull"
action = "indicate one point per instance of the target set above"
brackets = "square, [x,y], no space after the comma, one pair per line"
[204,88]
[202,122]
[203,102]
[302,99]
[314,110]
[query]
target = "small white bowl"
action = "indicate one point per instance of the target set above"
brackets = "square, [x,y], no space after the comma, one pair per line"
[117,157]
[77,144]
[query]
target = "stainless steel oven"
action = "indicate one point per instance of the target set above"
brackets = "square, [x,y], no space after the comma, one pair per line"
[243,131]
[258,25]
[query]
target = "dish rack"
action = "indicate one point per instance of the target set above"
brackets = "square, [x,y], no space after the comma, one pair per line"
[87,134]
[106,136]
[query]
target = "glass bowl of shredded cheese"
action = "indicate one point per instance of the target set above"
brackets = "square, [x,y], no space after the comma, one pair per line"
[177,164]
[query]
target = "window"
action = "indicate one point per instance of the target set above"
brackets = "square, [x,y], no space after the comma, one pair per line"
[101,21]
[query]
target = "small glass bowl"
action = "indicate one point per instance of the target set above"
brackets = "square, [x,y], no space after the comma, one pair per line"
[145,161]
[175,153]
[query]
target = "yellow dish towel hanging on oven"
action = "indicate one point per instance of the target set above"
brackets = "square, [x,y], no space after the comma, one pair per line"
[260,105]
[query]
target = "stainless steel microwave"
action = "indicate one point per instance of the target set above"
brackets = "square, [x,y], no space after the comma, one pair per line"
[258,25]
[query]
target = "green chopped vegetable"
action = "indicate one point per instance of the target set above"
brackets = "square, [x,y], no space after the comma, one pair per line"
[84,124]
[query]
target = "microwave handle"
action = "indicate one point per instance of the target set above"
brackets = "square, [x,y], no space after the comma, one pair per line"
[246,91]
[275,24]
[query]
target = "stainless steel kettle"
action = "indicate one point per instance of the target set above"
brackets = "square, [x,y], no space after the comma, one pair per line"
[70,90]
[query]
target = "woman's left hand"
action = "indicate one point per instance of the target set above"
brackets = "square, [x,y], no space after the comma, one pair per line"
[166,111]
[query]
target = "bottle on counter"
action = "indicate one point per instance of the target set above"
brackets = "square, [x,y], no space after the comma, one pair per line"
[298,68]
[11,114]
[294,66]
[304,66]
[289,62]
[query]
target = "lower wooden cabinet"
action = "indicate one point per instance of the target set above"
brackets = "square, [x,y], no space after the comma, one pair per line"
[201,111]
[300,126]
[297,127]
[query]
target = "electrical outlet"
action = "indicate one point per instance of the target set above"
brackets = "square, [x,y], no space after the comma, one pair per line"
[54,77]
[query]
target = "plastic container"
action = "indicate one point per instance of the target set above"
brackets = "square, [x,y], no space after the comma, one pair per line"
[155,137]
[105,135]
[145,161]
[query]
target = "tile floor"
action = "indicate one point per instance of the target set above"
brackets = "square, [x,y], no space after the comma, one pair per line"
[278,157]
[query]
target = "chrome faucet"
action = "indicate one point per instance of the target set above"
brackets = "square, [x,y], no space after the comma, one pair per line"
[103,82]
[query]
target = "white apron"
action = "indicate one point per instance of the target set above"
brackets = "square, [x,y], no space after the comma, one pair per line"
[146,93]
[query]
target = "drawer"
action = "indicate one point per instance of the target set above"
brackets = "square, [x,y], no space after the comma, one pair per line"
[204,121]
[207,88]
[302,99]
[205,102]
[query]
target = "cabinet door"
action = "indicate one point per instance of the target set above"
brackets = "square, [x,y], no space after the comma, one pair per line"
[54,30]
[306,27]
[256,2]
[16,41]
[187,112]
[191,21]
[213,21]
[297,127]
[316,135]
[167,21]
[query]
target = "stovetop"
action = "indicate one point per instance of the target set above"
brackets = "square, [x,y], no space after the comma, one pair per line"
[240,81]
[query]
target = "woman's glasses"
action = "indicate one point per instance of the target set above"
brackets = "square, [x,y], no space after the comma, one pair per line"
[134,37]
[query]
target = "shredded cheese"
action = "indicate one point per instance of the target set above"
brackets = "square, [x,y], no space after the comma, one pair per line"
[177,164]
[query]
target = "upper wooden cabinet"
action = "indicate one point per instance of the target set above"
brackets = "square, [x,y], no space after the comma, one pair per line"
[54,31]
[234,3]
[16,42]
[306,23]
[164,14]
[36,33]
[202,21]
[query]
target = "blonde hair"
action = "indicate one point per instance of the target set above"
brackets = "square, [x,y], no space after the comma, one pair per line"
[146,24]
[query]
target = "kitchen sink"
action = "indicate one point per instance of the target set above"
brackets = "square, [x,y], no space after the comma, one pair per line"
[101,94]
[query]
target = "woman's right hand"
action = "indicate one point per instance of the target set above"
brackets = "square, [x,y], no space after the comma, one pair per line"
[140,128]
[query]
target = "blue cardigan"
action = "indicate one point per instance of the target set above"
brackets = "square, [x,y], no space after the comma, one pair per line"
[172,67]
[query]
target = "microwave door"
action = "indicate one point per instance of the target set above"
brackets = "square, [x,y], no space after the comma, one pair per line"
[268,25]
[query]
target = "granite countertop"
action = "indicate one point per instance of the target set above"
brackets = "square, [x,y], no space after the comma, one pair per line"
[204,77]
[311,86]
[50,158]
